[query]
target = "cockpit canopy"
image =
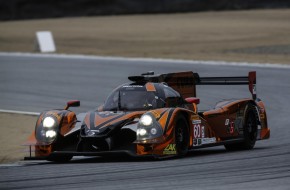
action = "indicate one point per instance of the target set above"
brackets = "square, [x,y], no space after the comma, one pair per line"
[136,97]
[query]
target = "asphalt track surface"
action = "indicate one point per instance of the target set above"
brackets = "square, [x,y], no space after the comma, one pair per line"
[35,83]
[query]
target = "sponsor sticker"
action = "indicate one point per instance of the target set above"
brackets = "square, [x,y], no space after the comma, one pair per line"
[132,86]
[227,122]
[156,114]
[208,140]
[232,128]
[170,149]
[262,116]
[203,141]
[196,121]
[197,142]
[194,117]
[202,132]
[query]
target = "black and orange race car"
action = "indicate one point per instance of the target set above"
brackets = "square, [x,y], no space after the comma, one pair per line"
[153,115]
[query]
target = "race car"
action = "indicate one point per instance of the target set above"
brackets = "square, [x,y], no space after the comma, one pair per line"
[154,115]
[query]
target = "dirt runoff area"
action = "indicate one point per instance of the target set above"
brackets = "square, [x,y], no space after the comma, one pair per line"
[15,130]
[260,36]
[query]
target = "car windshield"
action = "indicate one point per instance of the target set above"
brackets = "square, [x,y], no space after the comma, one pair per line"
[126,100]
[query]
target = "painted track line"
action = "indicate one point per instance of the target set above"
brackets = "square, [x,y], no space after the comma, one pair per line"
[19,112]
[150,60]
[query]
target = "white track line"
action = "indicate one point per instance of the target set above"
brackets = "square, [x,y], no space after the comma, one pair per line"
[19,112]
[151,60]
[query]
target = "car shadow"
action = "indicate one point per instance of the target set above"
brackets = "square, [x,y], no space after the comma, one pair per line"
[124,158]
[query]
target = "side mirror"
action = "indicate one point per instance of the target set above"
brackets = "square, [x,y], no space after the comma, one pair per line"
[192,100]
[73,103]
[100,108]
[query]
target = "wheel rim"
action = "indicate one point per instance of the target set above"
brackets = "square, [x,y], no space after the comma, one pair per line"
[180,138]
[252,127]
[179,135]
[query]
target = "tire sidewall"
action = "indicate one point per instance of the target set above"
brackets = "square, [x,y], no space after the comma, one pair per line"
[181,126]
[250,137]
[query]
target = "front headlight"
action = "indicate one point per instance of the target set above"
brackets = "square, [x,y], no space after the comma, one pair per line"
[148,128]
[50,134]
[49,122]
[146,120]
[47,132]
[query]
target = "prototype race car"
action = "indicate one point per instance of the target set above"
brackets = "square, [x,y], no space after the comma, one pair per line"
[154,115]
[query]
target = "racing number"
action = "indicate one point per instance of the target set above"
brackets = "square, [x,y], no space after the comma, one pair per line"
[196,131]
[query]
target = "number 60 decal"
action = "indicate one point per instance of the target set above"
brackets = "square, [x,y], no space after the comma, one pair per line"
[198,131]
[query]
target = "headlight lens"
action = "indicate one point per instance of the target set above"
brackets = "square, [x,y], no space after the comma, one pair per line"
[50,134]
[49,122]
[148,128]
[47,132]
[146,120]
[141,132]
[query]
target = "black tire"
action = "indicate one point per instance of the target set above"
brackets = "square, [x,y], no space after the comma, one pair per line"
[60,158]
[181,136]
[250,131]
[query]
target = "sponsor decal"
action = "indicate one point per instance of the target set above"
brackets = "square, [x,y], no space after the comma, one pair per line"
[196,121]
[203,141]
[170,149]
[195,117]
[132,86]
[202,132]
[262,116]
[197,142]
[227,122]
[208,140]
[232,128]
[156,114]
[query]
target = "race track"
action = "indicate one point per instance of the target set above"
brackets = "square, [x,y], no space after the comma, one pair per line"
[34,83]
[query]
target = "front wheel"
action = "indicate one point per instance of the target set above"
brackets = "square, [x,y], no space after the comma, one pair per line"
[181,136]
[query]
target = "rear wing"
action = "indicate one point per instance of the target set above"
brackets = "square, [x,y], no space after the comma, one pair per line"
[185,82]
[245,80]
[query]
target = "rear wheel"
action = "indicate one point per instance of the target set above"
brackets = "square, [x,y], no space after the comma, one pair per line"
[250,131]
[181,136]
